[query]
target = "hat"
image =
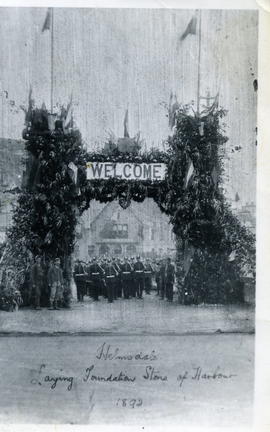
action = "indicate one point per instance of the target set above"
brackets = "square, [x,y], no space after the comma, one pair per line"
[138,257]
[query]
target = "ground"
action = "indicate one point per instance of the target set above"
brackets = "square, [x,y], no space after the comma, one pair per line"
[180,364]
[150,315]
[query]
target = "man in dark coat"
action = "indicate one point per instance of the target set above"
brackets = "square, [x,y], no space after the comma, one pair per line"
[158,277]
[126,273]
[169,279]
[110,277]
[56,284]
[139,277]
[95,273]
[118,280]
[148,271]
[132,281]
[79,278]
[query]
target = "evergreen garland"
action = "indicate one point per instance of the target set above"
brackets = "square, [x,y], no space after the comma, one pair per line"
[51,200]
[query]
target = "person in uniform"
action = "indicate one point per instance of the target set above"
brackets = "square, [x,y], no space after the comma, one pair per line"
[88,281]
[110,277]
[132,281]
[126,272]
[37,280]
[118,281]
[148,272]
[139,277]
[158,277]
[79,278]
[95,273]
[103,262]
[56,284]
[169,279]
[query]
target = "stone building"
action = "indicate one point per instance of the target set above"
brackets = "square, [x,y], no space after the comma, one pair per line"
[109,230]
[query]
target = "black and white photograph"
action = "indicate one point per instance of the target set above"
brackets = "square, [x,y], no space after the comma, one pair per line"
[128,154]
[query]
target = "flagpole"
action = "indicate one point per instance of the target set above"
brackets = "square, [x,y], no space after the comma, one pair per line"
[199,64]
[52,58]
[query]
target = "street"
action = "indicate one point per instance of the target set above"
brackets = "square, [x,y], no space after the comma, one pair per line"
[150,315]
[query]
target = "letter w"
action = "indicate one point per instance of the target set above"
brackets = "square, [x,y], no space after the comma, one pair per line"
[97,168]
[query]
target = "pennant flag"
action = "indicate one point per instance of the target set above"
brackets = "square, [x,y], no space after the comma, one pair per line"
[126,134]
[173,107]
[232,256]
[189,173]
[74,170]
[191,28]
[47,22]
[69,117]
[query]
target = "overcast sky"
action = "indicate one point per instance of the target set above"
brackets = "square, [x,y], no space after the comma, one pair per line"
[114,59]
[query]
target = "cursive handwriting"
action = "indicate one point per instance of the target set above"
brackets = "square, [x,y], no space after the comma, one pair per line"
[106,352]
[53,380]
[89,376]
[152,374]
[149,373]
[199,374]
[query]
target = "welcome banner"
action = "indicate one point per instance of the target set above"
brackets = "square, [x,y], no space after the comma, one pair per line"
[126,171]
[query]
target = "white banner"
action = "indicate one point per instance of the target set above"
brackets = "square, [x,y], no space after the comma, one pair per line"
[126,171]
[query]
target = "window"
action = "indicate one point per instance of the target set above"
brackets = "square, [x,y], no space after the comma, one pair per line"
[115,230]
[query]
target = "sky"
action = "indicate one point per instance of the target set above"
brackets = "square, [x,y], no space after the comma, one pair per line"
[114,59]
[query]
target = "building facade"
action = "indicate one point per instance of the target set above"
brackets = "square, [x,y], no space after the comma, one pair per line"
[140,229]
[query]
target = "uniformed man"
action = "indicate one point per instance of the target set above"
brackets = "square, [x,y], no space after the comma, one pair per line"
[103,262]
[95,273]
[148,272]
[110,277]
[139,277]
[158,277]
[79,278]
[56,284]
[132,282]
[118,281]
[126,272]
[169,279]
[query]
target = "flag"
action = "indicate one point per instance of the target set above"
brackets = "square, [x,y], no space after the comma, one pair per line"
[74,171]
[232,256]
[191,28]
[189,173]
[173,107]
[68,118]
[47,22]
[126,134]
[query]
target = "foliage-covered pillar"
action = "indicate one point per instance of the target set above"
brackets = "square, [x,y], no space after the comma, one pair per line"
[46,214]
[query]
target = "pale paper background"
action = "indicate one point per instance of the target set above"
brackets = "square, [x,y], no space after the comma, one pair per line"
[262,385]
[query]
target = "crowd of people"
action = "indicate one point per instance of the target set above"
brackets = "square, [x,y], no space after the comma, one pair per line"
[126,278]
[107,277]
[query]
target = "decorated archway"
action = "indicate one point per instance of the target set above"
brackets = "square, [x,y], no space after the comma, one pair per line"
[56,191]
